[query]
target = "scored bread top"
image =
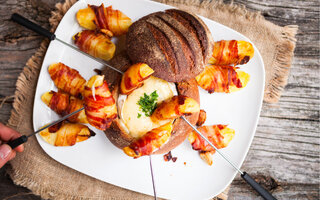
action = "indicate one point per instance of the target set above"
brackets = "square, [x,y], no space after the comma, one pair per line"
[175,44]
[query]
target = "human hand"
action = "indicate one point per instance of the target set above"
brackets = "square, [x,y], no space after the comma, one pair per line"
[6,153]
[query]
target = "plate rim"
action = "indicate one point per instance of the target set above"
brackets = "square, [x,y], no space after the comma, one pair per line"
[260,59]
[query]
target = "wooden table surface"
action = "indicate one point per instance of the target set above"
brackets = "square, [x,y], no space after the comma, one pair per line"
[284,155]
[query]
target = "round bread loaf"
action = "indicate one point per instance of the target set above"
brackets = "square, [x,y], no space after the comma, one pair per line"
[174,43]
[118,136]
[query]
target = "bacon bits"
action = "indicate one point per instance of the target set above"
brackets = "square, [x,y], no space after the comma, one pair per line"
[167,157]
[99,17]
[100,106]
[67,79]
[231,52]
[133,78]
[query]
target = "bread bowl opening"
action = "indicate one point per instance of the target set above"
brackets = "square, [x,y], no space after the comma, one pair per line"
[132,117]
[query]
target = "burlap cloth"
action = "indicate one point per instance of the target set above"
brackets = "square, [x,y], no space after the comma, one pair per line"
[50,179]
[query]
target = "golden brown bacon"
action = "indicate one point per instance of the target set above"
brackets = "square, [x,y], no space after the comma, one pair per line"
[150,142]
[99,17]
[67,79]
[175,107]
[100,106]
[219,135]
[57,101]
[66,134]
[231,52]
[222,79]
[133,78]
[76,104]
[64,104]
[95,43]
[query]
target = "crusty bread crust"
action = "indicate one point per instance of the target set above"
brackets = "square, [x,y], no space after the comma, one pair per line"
[204,36]
[118,136]
[174,43]
[181,129]
[115,133]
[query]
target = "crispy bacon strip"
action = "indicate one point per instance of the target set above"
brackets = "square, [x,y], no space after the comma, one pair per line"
[231,52]
[100,106]
[96,44]
[222,79]
[149,142]
[133,78]
[175,107]
[99,17]
[64,104]
[67,79]
[66,134]
[219,135]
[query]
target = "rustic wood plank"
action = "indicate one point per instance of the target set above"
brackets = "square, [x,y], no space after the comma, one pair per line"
[9,191]
[284,155]
[286,145]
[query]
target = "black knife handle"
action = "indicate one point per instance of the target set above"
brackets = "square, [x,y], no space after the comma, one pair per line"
[16,142]
[32,26]
[257,187]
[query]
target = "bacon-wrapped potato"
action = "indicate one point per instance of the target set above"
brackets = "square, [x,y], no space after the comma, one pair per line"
[64,104]
[231,52]
[97,44]
[133,78]
[100,106]
[99,17]
[219,135]
[149,142]
[224,79]
[66,134]
[67,79]
[175,107]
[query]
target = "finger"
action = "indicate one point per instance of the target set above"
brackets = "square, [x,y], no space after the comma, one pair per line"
[7,134]
[5,154]
[12,155]
[19,148]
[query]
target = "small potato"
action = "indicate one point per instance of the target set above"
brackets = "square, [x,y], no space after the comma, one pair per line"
[202,117]
[66,134]
[206,156]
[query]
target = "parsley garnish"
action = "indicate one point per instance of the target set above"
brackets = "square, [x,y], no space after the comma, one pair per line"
[148,103]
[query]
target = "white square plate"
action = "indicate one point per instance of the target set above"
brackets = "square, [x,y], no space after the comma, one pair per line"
[98,158]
